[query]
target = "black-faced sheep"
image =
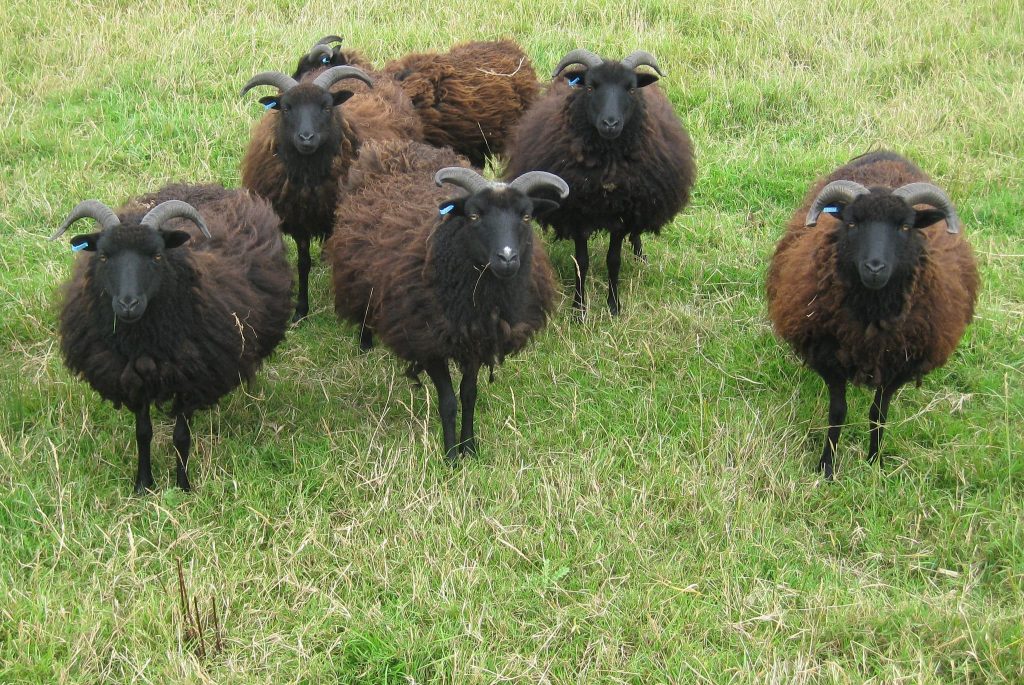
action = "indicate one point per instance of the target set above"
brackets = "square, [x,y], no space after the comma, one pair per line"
[155,313]
[470,285]
[325,54]
[620,147]
[471,97]
[872,284]
[301,150]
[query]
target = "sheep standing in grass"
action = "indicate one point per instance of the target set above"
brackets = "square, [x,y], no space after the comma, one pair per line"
[301,150]
[155,313]
[470,285]
[471,97]
[872,283]
[620,147]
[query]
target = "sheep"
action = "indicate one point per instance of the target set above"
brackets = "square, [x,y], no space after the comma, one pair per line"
[619,146]
[300,151]
[880,292]
[154,313]
[471,285]
[470,97]
[324,55]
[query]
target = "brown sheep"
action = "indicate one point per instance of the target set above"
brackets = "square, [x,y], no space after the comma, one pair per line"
[470,285]
[471,97]
[872,284]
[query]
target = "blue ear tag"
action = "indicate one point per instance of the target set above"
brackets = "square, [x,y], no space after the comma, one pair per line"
[446,209]
[270,105]
[830,210]
[325,59]
[79,247]
[574,81]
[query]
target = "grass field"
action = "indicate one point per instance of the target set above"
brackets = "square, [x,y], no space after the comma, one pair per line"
[645,507]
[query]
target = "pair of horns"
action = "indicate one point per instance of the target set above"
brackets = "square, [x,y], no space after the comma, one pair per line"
[474,182]
[912,193]
[590,60]
[154,218]
[322,48]
[284,83]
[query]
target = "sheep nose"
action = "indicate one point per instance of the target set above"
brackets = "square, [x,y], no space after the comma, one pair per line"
[610,122]
[129,304]
[306,137]
[507,256]
[874,265]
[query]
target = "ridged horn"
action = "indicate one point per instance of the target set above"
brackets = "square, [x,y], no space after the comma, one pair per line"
[93,209]
[641,58]
[845,191]
[928,194]
[282,82]
[335,74]
[327,40]
[171,209]
[578,56]
[464,178]
[540,179]
[318,51]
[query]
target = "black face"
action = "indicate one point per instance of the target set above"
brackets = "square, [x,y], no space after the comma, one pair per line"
[129,265]
[880,237]
[500,236]
[307,115]
[611,92]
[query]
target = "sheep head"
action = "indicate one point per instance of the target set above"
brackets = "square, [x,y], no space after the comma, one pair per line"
[324,53]
[879,237]
[129,263]
[496,217]
[608,88]
[307,109]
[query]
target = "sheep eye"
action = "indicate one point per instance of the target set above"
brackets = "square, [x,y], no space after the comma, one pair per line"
[527,218]
[157,257]
[632,91]
[474,217]
[851,225]
[590,89]
[103,257]
[905,228]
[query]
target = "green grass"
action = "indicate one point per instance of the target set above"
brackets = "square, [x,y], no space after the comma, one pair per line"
[644,508]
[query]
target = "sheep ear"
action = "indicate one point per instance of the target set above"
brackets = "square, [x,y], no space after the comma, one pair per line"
[86,243]
[926,217]
[341,96]
[454,207]
[271,102]
[542,206]
[174,239]
[644,79]
[574,77]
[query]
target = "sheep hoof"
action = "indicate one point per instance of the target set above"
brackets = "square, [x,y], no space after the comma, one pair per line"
[143,488]
[826,468]
[613,306]
[184,484]
[468,447]
[298,316]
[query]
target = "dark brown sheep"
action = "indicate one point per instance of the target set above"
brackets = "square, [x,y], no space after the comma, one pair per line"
[471,284]
[872,284]
[471,97]
[160,311]
[619,145]
[301,150]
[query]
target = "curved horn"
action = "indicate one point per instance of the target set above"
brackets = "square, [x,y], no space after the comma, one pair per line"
[327,40]
[335,74]
[846,191]
[94,209]
[318,51]
[540,179]
[464,178]
[928,194]
[578,56]
[171,209]
[282,82]
[641,58]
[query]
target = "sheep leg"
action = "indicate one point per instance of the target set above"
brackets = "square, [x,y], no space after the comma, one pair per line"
[182,444]
[878,414]
[836,419]
[614,263]
[579,301]
[446,402]
[302,301]
[143,438]
[638,247]
[467,392]
[365,338]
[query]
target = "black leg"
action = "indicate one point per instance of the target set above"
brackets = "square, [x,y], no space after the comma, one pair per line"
[582,264]
[836,418]
[467,392]
[638,247]
[447,404]
[182,444]
[365,338]
[614,262]
[302,301]
[879,413]
[143,438]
